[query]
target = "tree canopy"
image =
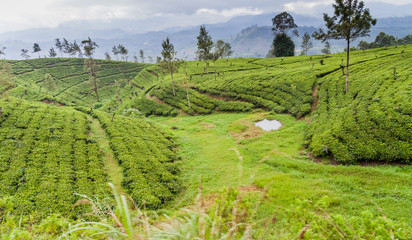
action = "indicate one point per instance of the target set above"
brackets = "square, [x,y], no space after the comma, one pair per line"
[169,63]
[282,23]
[282,44]
[350,20]
[204,44]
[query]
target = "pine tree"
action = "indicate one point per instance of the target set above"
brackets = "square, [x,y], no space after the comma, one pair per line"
[204,46]
[306,43]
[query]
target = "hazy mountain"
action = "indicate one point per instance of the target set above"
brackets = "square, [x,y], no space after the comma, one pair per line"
[245,39]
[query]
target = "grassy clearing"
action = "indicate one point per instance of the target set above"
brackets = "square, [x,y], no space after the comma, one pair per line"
[276,164]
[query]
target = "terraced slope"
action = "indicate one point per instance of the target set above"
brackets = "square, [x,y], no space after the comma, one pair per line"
[370,123]
[71,80]
[146,154]
[373,122]
[46,156]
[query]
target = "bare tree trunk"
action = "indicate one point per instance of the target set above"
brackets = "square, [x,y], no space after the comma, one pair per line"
[214,65]
[207,68]
[173,84]
[347,67]
[95,90]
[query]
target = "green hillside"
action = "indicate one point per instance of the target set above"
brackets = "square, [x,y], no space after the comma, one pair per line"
[375,113]
[336,169]
[71,80]
[46,156]
[51,157]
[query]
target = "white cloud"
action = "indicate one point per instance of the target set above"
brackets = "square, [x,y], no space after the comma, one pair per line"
[230,12]
[23,14]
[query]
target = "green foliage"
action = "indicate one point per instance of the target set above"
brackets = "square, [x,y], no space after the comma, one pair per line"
[49,82]
[70,78]
[6,78]
[282,23]
[204,44]
[282,187]
[283,46]
[372,123]
[46,156]
[146,154]
[384,40]
[200,103]
[150,107]
[306,43]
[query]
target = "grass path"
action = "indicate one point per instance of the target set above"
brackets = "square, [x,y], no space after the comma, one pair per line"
[112,168]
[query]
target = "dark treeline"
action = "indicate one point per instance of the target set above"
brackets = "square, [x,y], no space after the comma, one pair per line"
[385,40]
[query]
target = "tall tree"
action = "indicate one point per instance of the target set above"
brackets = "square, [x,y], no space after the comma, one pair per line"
[306,43]
[59,45]
[204,46]
[186,83]
[52,53]
[107,56]
[220,49]
[66,46]
[36,48]
[25,54]
[141,55]
[2,51]
[123,51]
[90,65]
[169,63]
[228,50]
[350,21]
[282,44]
[150,59]
[116,51]
[75,49]
[89,47]
[326,49]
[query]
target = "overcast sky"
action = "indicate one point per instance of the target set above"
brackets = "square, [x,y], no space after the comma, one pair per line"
[23,14]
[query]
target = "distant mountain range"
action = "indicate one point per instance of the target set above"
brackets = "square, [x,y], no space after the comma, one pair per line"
[250,36]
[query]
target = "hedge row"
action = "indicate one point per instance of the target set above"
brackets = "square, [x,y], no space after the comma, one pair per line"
[199,103]
[46,156]
[146,155]
[373,121]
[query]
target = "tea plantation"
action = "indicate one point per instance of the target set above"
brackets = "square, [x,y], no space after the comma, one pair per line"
[71,80]
[338,168]
[46,157]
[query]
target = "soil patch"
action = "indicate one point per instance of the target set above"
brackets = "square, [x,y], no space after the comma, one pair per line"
[250,188]
[207,125]
[48,101]
[251,131]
